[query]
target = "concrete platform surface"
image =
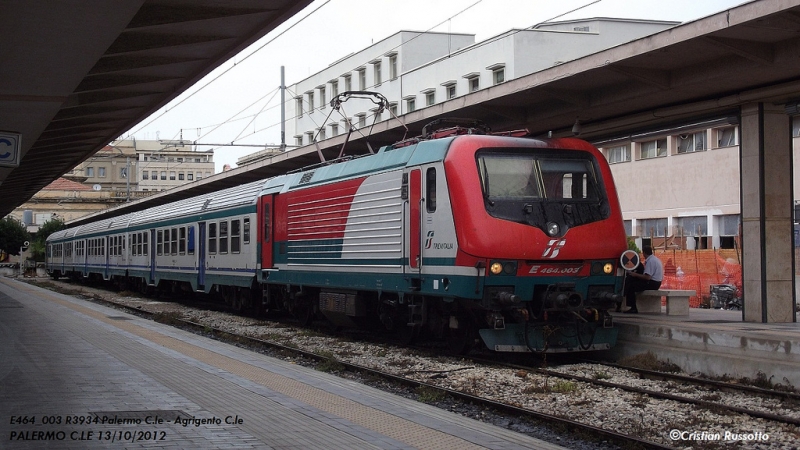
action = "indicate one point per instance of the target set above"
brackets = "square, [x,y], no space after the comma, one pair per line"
[714,342]
[74,374]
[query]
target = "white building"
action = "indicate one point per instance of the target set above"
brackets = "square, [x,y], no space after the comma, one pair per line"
[414,70]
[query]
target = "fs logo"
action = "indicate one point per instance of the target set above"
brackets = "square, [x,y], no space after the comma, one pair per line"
[553,247]
[429,240]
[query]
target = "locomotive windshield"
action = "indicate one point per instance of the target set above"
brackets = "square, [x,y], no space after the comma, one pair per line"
[537,187]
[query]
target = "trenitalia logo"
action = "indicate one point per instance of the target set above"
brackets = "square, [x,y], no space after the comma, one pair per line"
[429,240]
[553,247]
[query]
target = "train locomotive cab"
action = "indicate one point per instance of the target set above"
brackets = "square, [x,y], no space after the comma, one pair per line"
[540,221]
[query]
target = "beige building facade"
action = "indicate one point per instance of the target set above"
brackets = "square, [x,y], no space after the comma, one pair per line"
[680,188]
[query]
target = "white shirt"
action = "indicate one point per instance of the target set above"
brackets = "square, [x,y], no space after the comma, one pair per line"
[654,268]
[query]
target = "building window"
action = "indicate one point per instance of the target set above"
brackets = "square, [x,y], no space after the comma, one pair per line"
[321,134]
[190,176]
[154,175]
[199,175]
[430,98]
[362,120]
[310,136]
[163,175]
[652,227]
[348,83]
[299,105]
[180,160]
[451,91]
[362,79]
[322,96]
[620,153]
[726,137]
[694,142]
[653,149]
[393,109]
[90,172]
[411,104]
[628,225]
[310,101]
[334,129]
[474,84]
[101,172]
[499,76]
[393,67]
[729,225]
[170,159]
[692,226]
[180,176]
[172,175]
[145,175]
[207,174]
[334,88]
[377,72]
[298,141]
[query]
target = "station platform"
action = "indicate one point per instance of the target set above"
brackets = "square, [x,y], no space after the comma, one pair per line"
[714,342]
[79,375]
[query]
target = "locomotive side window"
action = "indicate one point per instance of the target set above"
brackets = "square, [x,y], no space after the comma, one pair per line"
[246,235]
[212,238]
[430,194]
[223,236]
[236,245]
[160,242]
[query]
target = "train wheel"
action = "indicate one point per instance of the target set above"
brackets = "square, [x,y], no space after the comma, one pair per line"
[409,334]
[461,339]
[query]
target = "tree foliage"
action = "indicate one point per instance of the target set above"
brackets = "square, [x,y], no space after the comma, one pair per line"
[39,243]
[12,235]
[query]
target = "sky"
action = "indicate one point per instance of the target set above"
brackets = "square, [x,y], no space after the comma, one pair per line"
[239,102]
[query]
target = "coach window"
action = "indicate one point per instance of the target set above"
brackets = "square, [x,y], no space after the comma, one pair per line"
[430,195]
[166,241]
[134,246]
[160,242]
[212,238]
[223,236]
[190,245]
[182,242]
[144,242]
[236,238]
[174,241]
[246,230]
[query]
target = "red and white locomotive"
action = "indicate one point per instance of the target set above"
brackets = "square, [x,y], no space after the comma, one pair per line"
[460,235]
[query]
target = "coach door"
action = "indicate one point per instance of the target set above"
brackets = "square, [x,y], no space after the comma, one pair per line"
[265,231]
[152,256]
[201,256]
[413,238]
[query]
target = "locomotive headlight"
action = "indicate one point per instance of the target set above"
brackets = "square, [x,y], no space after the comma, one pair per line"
[608,268]
[552,228]
[496,268]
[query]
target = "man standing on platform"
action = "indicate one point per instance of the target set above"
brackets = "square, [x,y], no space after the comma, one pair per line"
[649,280]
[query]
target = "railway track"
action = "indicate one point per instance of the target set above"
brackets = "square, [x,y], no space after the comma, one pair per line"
[418,379]
[669,396]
